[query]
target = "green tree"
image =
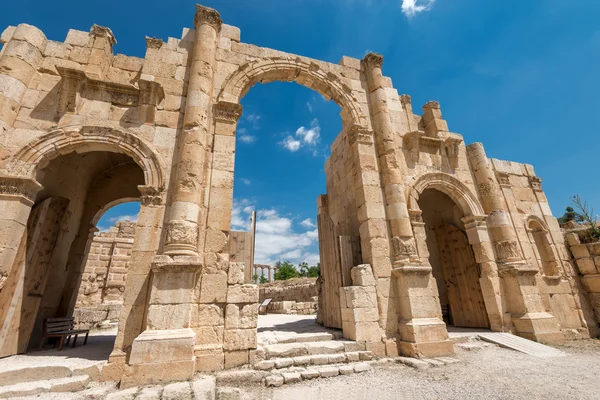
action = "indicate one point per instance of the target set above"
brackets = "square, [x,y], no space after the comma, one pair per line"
[570,215]
[255,278]
[592,234]
[263,279]
[286,270]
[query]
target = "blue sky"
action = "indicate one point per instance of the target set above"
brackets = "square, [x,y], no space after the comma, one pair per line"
[519,76]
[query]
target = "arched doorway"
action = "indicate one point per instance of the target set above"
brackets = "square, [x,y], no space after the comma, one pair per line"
[453,263]
[79,180]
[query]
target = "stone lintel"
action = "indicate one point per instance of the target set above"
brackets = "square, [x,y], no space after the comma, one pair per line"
[518,268]
[411,269]
[184,263]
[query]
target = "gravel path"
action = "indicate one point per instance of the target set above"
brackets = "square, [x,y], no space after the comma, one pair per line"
[490,373]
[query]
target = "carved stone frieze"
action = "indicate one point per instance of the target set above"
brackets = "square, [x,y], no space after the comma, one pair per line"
[19,186]
[404,248]
[507,250]
[225,111]
[182,235]
[359,134]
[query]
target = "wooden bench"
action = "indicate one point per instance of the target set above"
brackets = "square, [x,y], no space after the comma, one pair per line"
[62,328]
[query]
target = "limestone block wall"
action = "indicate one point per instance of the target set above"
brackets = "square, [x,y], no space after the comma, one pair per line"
[586,258]
[292,296]
[105,272]
[543,245]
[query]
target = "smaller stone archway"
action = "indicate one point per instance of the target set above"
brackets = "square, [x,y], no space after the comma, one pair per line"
[90,167]
[544,250]
[450,228]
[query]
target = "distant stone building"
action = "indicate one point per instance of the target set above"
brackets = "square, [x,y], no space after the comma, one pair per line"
[103,281]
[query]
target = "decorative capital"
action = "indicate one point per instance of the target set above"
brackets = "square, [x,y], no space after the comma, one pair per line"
[153,43]
[416,216]
[503,178]
[150,196]
[432,105]
[359,134]
[102,31]
[225,111]
[182,238]
[19,187]
[535,183]
[405,99]
[209,16]
[372,60]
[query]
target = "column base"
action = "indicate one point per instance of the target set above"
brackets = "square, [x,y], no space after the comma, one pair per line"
[424,338]
[161,356]
[540,327]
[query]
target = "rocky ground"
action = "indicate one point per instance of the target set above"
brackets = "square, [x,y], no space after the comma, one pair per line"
[487,373]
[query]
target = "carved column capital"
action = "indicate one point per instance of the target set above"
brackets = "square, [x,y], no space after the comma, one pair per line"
[150,196]
[19,187]
[372,60]
[432,105]
[209,16]
[182,238]
[153,43]
[103,31]
[359,134]
[225,111]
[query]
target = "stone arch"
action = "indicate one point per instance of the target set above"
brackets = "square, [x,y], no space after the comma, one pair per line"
[110,205]
[539,237]
[83,139]
[290,69]
[449,185]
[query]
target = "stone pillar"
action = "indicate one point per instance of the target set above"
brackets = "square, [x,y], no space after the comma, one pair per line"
[17,197]
[523,299]
[478,235]
[403,244]
[271,274]
[21,56]
[188,194]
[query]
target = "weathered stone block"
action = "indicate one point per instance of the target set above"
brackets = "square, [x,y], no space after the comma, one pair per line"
[213,288]
[362,275]
[239,339]
[236,273]
[242,294]
[240,316]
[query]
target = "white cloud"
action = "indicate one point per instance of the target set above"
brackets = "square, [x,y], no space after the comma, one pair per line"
[121,218]
[311,258]
[246,181]
[245,137]
[305,137]
[312,135]
[412,7]
[276,240]
[291,144]
[307,223]
[310,107]
[253,120]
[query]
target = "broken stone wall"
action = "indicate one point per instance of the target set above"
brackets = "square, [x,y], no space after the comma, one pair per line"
[292,296]
[103,281]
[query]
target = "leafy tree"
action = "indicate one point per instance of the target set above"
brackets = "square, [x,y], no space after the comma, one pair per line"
[255,278]
[263,279]
[310,272]
[570,215]
[286,270]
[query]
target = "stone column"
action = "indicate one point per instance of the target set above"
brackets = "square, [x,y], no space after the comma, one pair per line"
[403,243]
[17,197]
[523,299]
[421,329]
[271,274]
[188,194]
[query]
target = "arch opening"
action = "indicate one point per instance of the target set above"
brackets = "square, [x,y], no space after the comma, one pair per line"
[453,262]
[542,246]
[77,186]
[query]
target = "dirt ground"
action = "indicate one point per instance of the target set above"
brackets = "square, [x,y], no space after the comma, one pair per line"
[489,373]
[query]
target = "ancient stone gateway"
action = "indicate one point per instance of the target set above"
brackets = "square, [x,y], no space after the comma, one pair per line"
[83,129]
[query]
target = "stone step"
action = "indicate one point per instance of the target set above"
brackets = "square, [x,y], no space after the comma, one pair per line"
[297,374]
[41,373]
[296,349]
[275,364]
[68,384]
[293,337]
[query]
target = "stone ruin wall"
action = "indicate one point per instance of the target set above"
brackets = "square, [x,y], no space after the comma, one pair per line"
[292,296]
[102,288]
